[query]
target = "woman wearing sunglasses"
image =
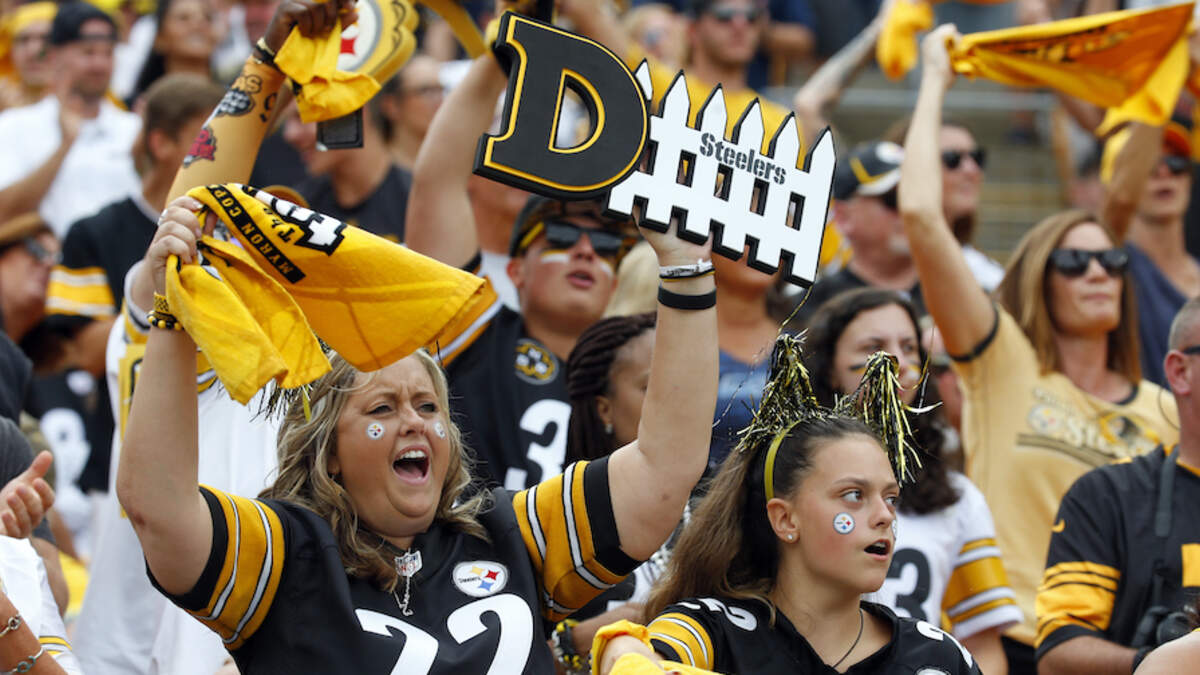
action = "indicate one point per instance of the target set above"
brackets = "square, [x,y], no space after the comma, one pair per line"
[1050,370]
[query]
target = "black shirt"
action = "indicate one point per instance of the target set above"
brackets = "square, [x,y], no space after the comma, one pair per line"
[736,636]
[844,280]
[275,589]
[1100,568]
[510,394]
[381,213]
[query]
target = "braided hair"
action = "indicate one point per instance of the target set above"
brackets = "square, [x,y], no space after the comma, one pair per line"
[588,369]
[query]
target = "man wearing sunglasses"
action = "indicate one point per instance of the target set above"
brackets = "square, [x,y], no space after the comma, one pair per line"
[506,369]
[864,212]
[1147,207]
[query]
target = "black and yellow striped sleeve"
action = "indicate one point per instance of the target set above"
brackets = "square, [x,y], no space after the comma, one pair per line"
[470,324]
[977,594]
[243,572]
[80,292]
[570,533]
[682,635]
[1079,585]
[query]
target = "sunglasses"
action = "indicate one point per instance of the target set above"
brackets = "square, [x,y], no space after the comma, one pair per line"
[1191,351]
[1176,164]
[1073,262]
[952,159]
[39,252]
[563,235]
[726,14]
[890,199]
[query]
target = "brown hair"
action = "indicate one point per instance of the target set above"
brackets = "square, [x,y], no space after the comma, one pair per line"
[728,548]
[1023,294]
[307,442]
[175,100]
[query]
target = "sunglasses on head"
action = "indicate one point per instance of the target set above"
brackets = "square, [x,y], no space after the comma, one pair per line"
[1073,262]
[726,14]
[952,159]
[563,235]
[1176,164]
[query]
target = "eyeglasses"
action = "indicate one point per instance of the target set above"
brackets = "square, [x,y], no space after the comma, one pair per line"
[726,14]
[563,235]
[890,199]
[1176,164]
[1191,351]
[1073,262]
[952,159]
[41,253]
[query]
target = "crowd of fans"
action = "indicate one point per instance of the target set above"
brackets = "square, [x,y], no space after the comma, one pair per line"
[1052,398]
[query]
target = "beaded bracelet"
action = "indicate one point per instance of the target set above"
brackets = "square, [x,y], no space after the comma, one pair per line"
[26,665]
[564,647]
[13,624]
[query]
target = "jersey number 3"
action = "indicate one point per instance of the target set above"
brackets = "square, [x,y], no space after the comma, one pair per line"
[421,648]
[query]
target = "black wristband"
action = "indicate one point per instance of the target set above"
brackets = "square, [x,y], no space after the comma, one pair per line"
[687,302]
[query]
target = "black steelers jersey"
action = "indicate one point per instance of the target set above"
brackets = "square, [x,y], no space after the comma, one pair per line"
[275,590]
[1100,569]
[381,212]
[735,636]
[509,394]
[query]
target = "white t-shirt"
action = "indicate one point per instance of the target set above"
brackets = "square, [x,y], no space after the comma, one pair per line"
[125,626]
[948,562]
[97,170]
[23,579]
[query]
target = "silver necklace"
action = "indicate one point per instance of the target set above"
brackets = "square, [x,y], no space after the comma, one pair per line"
[834,666]
[407,566]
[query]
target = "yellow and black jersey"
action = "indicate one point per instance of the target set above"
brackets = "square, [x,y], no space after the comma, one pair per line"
[1101,567]
[89,282]
[275,590]
[510,397]
[736,636]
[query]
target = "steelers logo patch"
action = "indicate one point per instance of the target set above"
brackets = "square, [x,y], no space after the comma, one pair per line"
[534,363]
[480,578]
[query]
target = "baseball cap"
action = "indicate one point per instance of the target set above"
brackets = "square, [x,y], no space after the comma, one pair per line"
[1177,136]
[537,209]
[868,170]
[20,228]
[70,18]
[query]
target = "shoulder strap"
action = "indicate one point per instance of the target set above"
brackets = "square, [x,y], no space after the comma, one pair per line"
[1166,490]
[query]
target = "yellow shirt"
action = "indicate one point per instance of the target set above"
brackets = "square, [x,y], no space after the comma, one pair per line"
[1028,436]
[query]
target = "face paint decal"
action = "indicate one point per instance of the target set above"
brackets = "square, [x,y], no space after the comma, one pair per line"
[439,429]
[374,431]
[843,523]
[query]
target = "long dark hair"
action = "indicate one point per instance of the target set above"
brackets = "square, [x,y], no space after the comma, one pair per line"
[588,369]
[156,64]
[728,548]
[932,490]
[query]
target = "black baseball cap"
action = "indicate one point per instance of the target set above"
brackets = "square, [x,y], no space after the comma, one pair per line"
[69,20]
[868,170]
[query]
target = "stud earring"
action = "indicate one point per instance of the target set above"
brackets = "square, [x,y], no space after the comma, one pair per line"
[608,428]
[791,537]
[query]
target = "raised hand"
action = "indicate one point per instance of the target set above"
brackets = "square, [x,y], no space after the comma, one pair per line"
[26,498]
[310,18]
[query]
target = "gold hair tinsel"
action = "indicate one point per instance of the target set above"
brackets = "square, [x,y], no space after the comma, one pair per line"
[788,400]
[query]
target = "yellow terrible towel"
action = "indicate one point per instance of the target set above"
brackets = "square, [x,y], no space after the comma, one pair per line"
[250,311]
[1112,59]
[896,50]
[325,92]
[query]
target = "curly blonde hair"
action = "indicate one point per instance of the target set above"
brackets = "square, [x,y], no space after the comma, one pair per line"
[307,441]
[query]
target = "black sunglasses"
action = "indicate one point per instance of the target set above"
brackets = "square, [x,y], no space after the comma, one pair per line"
[726,14]
[563,235]
[1073,262]
[951,159]
[1177,164]
[1191,351]
[890,199]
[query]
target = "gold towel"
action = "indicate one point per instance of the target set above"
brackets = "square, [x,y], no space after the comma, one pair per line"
[254,308]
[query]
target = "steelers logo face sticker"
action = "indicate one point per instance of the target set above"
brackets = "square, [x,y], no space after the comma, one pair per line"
[374,431]
[534,363]
[843,523]
[439,429]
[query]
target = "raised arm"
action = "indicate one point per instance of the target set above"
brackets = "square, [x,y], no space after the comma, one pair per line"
[440,221]
[1131,169]
[598,21]
[157,482]
[824,88]
[652,477]
[958,305]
